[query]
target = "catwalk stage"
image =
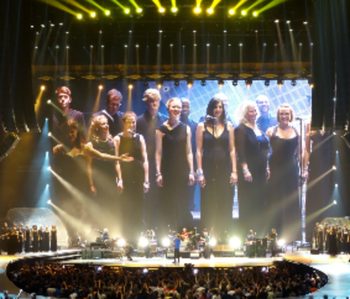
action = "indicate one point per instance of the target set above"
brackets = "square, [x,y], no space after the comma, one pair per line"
[337,269]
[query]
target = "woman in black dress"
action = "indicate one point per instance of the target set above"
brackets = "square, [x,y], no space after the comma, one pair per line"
[252,147]
[132,177]
[284,209]
[35,238]
[332,242]
[41,236]
[46,239]
[174,167]
[20,240]
[27,233]
[217,172]
[53,238]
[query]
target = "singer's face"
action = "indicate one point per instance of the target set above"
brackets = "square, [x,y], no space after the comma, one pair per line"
[263,104]
[152,103]
[185,108]
[113,105]
[251,114]
[130,123]
[175,108]
[64,100]
[73,133]
[103,126]
[284,115]
[218,110]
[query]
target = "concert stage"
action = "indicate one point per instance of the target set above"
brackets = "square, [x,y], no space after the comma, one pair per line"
[337,269]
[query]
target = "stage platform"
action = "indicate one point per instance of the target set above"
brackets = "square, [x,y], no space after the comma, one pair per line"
[337,269]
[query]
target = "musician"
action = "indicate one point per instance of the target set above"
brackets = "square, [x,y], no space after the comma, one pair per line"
[320,238]
[273,244]
[345,239]
[177,241]
[326,229]
[104,235]
[206,238]
[251,243]
[185,234]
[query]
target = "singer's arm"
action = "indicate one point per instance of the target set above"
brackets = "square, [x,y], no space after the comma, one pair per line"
[199,142]
[306,154]
[93,153]
[146,184]
[233,176]
[189,155]
[158,156]
[120,184]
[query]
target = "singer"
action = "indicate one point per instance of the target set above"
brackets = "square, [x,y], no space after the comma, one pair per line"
[217,173]
[174,166]
[132,180]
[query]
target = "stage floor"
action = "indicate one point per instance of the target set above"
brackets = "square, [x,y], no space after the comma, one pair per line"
[338,268]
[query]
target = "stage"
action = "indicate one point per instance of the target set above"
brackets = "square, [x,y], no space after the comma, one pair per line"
[337,269]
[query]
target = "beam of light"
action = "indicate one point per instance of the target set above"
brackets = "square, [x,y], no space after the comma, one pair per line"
[77,5]
[119,4]
[98,100]
[138,8]
[239,4]
[129,102]
[271,4]
[254,4]
[174,9]
[157,2]
[96,5]
[312,217]
[59,5]
[38,101]
[197,9]
[214,4]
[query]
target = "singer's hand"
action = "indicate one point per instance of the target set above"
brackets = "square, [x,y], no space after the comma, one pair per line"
[159,180]
[201,181]
[125,158]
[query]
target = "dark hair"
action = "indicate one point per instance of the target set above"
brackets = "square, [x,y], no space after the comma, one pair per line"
[212,105]
[72,124]
[113,93]
[128,114]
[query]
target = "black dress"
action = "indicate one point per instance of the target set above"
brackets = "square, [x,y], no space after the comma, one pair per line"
[253,150]
[35,240]
[217,195]
[332,242]
[284,210]
[20,241]
[175,193]
[53,240]
[27,242]
[132,196]
[46,241]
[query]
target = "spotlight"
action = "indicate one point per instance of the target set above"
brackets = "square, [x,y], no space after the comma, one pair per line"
[121,242]
[42,87]
[334,133]
[130,86]
[294,83]
[195,271]
[255,13]
[174,9]
[107,12]
[336,185]
[311,84]
[334,202]
[305,23]
[212,242]
[47,185]
[46,119]
[210,11]
[166,242]
[139,10]
[49,134]
[48,101]
[189,83]
[243,12]
[197,10]
[334,167]
[277,21]
[79,16]
[221,83]
[203,83]
[280,82]
[234,82]
[288,22]
[177,83]
[93,14]
[161,9]
[281,243]
[159,85]
[248,83]
[231,12]
[145,271]
[235,242]
[143,242]
[126,11]
[49,202]
[49,168]
[267,82]
[100,87]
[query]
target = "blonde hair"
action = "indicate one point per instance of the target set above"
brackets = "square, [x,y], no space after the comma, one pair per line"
[94,125]
[63,89]
[285,105]
[242,111]
[172,100]
[151,93]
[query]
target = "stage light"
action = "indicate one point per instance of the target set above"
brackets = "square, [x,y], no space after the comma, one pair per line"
[311,84]
[221,83]
[235,242]
[212,242]
[42,26]
[234,82]
[267,82]
[42,87]
[277,21]
[99,268]
[203,83]
[243,12]
[305,23]
[159,85]
[100,87]
[255,13]
[143,242]
[126,11]
[47,185]
[210,11]
[336,185]
[197,10]
[46,119]
[334,202]
[177,83]
[161,10]
[49,202]
[280,82]
[49,134]
[337,152]
[79,16]
[139,10]
[189,83]
[49,102]
[130,86]
[248,83]
[334,167]
[281,242]
[288,22]
[121,242]
[334,133]
[240,44]
[49,168]
[107,12]
[174,9]
[231,12]
[195,271]
[145,271]
[294,82]
[166,242]
[93,14]
[67,47]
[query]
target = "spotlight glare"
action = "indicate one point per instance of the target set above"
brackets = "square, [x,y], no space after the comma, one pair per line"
[255,13]
[79,16]
[189,84]
[161,9]
[49,168]
[334,133]
[243,12]
[49,202]
[210,11]
[48,101]
[145,271]
[334,167]
[143,242]
[305,23]
[100,87]
[130,86]
[231,12]
[277,21]
[212,242]
[126,11]
[159,85]
[49,134]
[281,242]
[121,242]
[336,185]
[334,202]
[42,87]
[93,14]
[139,10]
[197,10]
[166,242]
[47,185]
[235,242]
[174,9]
[107,12]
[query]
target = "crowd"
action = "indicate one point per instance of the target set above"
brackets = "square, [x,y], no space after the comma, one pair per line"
[18,239]
[283,279]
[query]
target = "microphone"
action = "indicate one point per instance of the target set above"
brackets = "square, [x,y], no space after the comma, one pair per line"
[298,118]
[134,135]
[211,118]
